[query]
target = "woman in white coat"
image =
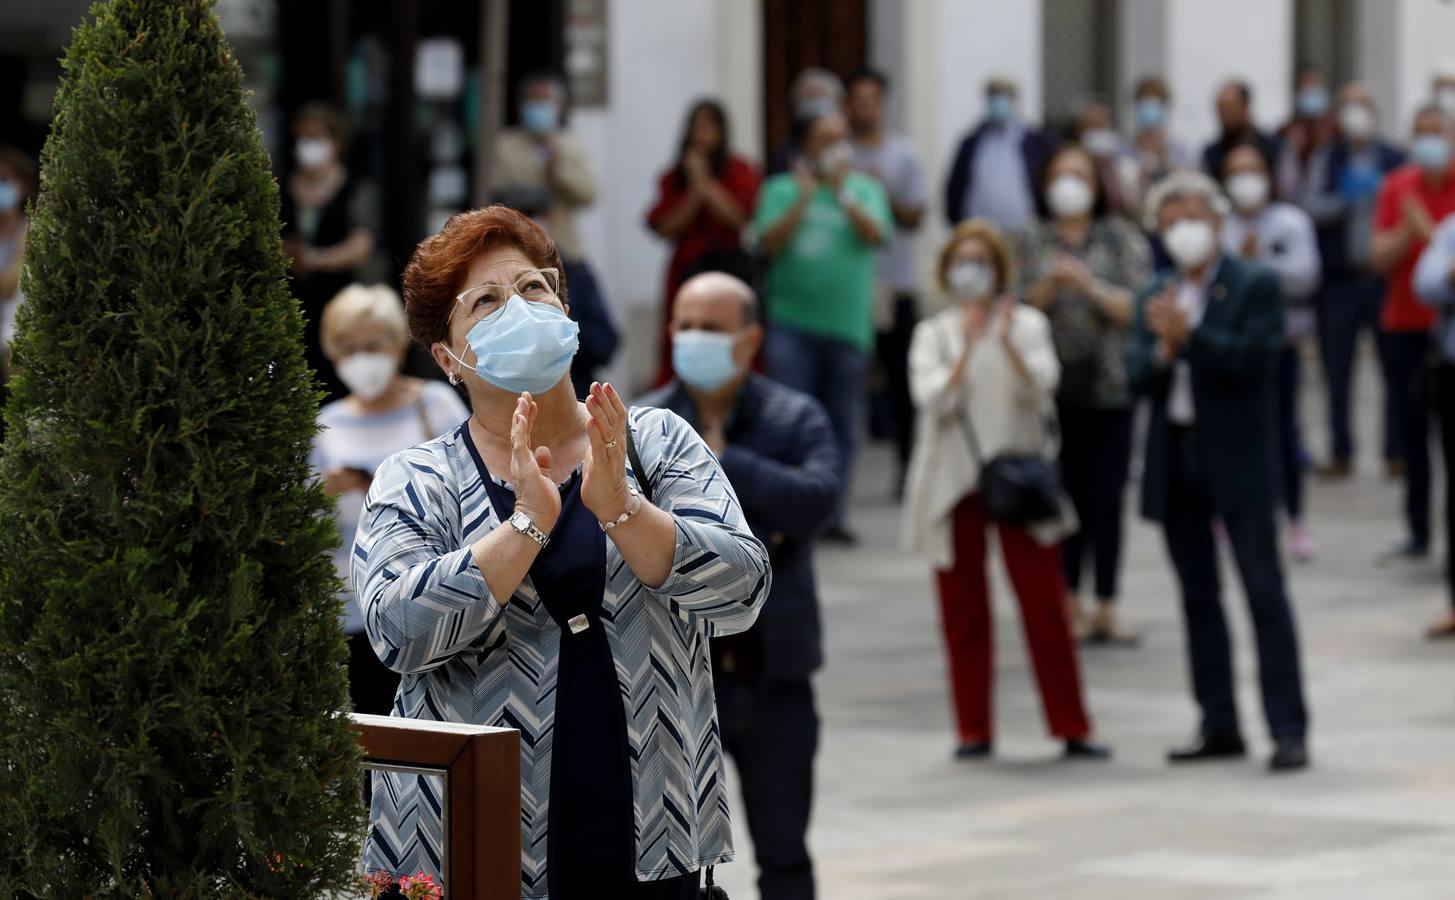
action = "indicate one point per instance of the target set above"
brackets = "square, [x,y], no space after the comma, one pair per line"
[984,372]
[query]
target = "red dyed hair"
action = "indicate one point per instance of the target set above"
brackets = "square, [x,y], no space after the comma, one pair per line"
[436,273]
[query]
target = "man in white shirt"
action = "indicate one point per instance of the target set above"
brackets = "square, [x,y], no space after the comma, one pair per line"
[1205,349]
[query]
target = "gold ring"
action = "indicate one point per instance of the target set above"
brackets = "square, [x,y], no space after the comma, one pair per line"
[609,444]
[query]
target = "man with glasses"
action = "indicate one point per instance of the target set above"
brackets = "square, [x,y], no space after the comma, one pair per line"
[776,447]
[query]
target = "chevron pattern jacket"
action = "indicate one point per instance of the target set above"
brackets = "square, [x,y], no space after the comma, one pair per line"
[466,658]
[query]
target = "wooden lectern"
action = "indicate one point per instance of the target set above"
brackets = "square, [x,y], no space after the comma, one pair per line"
[481,769]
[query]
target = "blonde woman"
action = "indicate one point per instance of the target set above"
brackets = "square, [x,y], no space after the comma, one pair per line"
[365,336]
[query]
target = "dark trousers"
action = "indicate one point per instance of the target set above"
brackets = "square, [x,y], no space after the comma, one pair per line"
[1407,354]
[1096,452]
[1035,574]
[1445,404]
[585,883]
[1193,548]
[891,352]
[1290,435]
[372,685]
[1349,304]
[770,729]
[830,371]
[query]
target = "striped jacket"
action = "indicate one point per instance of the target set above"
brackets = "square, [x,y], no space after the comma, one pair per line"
[465,658]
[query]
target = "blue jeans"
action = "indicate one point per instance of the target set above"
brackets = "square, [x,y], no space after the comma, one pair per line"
[833,373]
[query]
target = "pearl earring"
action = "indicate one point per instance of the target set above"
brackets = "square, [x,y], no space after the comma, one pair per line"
[454,379]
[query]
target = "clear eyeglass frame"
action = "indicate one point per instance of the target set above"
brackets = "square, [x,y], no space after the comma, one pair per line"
[535,285]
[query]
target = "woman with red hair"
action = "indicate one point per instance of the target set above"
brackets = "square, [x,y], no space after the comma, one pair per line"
[558,568]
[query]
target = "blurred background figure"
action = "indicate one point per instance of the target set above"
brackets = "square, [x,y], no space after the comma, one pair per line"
[821,226]
[1344,178]
[1116,167]
[984,375]
[995,170]
[1205,352]
[1235,119]
[17,184]
[365,338]
[1413,198]
[330,222]
[1442,88]
[777,449]
[1157,152]
[1312,126]
[1081,266]
[703,202]
[816,92]
[1281,236]
[1434,283]
[542,153]
[892,160]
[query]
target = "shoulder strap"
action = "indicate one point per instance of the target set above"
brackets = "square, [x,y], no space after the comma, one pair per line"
[636,461]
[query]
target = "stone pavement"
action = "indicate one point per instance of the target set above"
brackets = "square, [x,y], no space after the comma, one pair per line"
[1375,816]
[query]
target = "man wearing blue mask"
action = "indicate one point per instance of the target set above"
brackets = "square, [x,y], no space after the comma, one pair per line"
[777,449]
[542,154]
[997,164]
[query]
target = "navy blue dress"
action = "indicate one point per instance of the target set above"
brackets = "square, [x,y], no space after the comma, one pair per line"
[591,831]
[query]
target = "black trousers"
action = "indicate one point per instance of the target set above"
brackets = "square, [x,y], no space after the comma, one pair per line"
[1193,548]
[1406,357]
[891,352]
[770,729]
[1096,452]
[372,685]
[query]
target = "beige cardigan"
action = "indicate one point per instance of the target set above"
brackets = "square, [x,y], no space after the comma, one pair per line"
[1009,414]
[518,163]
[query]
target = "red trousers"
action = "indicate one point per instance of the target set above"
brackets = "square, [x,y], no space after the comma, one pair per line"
[1035,573]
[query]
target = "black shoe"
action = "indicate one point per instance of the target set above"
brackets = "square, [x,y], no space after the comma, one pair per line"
[1408,550]
[1086,750]
[841,536]
[1217,746]
[1290,755]
[977,750]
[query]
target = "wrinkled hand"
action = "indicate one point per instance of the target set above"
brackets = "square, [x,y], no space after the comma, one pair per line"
[1168,321]
[604,488]
[535,495]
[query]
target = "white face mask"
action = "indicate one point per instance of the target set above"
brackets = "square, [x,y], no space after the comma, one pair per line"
[1356,121]
[367,375]
[1101,142]
[1070,195]
[1190,242]
[1249,191]
[313,152]
[970,280]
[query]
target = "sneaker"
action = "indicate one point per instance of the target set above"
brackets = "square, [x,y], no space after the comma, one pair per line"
[1301,543]
[841,536]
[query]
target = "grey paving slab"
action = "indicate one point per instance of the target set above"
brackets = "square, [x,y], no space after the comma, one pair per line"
[1375,817]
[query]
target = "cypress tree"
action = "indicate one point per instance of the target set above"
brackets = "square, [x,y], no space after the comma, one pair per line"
[171,664]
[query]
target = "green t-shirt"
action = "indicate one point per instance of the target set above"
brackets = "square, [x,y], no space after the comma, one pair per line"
[823,281]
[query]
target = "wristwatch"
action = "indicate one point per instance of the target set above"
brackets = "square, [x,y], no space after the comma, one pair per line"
[522,523]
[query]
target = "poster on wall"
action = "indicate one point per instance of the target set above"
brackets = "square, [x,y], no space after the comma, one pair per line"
[586,51]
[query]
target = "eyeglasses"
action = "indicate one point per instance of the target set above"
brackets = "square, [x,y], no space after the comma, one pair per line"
[535,285]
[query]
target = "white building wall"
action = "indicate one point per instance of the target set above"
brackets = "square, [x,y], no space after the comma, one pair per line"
[1211,42]
[1426,37]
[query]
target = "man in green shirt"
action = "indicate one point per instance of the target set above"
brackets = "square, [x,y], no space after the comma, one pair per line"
[821,226]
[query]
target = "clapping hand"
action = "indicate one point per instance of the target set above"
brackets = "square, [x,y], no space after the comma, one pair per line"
[604,488]
[696,166]
[535,494]
[1167,320]
[1417,219]
[1073,273]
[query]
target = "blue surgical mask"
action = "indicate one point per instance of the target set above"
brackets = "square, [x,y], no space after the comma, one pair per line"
[539,116]
[1431,151]
[704,359]
[522,346]
[1312,102]
[9,195]
[1000,108]
[1151,113]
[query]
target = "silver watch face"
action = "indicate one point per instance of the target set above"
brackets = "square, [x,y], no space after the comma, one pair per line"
[521,522]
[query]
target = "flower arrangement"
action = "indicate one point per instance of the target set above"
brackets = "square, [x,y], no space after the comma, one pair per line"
[388,886]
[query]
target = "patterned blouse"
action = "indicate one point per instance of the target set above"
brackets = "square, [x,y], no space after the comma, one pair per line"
[1092,348]
[466,658]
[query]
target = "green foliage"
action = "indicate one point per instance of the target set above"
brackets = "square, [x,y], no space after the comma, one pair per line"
[172,664]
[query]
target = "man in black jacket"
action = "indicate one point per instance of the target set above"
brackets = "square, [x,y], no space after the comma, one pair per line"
[777,448]
[998,165]
[1205,350]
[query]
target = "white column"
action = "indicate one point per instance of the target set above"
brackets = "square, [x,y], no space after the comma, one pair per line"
[1425,37]
[739,49]
[1142,33]
[1210,43]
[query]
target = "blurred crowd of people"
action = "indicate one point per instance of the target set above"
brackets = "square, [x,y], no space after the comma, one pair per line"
[1096,285]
